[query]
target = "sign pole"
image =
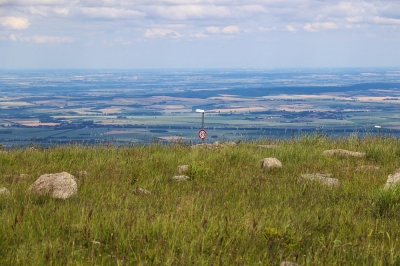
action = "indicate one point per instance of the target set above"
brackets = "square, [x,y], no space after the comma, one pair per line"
[202,133]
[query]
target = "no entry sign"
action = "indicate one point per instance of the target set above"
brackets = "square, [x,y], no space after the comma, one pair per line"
[202,134]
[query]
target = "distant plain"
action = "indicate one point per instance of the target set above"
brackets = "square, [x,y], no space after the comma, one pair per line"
[129,106]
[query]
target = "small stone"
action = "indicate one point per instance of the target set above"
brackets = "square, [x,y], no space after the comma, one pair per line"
[345,153]
[393,179]
[140,190]
[324,179]
[97,243]
[182,168]
[4,192]
[181,178]
[268,163]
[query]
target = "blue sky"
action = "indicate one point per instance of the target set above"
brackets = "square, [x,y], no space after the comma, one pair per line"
[199,33]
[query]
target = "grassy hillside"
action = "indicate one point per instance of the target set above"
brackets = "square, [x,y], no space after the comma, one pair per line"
[229,213]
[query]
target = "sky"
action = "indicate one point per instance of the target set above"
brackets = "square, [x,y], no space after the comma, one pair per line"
[124,34]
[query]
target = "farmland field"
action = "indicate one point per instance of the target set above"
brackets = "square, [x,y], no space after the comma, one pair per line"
[125,106]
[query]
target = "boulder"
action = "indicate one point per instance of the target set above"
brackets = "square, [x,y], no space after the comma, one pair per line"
[323,179]
[60,185]
[180,178]
[4,192]
[182,168]
[268,163]
[393,179]
[345,153]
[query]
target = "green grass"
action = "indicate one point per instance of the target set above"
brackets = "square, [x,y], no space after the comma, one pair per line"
[230,212]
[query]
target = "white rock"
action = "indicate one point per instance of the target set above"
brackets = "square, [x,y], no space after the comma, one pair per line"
[140,190]
[268,163]
[4,191]
[60,185]
[181,178]
[182,168]
[324,179]
[393,179]
[346,153]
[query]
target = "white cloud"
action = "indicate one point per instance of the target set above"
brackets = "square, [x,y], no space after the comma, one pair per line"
[40,11]
[317,26]
[50,39]
[61,11]
[357,19]
[231,30]
[266,29]
[212,29]
[107,12]
[201,35]
[15,23]
[185,12]
[156,32]
[12,37]
[386,21]
[290,28]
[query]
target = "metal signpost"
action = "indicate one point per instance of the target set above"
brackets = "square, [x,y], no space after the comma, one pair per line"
[202,133]
[379,129]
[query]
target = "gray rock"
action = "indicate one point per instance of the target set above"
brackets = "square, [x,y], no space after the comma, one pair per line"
[323,179]
[140,190]
[288,263]
[345,153]
[268,163]
[4,192]
[60,185]
[180,178]
[182,168]
[393,179]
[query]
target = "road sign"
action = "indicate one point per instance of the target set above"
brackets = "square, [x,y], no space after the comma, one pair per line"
[202,134]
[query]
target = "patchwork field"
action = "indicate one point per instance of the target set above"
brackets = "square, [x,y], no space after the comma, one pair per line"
[161,105]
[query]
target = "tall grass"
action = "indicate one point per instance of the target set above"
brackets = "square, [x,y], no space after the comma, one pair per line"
[229,213]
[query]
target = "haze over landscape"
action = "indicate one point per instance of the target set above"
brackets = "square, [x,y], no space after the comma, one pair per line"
[198,34]
[93,71]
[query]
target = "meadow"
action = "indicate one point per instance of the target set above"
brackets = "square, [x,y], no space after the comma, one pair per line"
[230,212]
